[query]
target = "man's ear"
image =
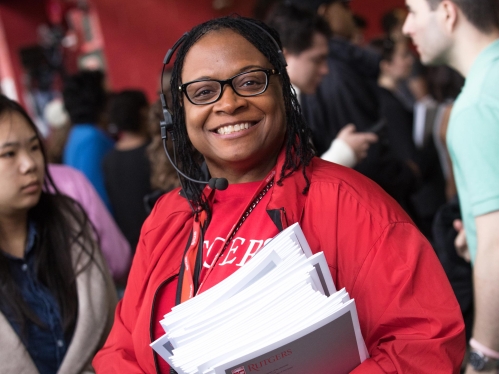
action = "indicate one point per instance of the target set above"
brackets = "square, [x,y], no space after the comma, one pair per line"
[321,11]
[449,15]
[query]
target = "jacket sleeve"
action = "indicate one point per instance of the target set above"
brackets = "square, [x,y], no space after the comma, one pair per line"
[410,318]
[118,353]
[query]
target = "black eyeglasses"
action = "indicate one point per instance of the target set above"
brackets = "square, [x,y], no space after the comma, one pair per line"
[249,83]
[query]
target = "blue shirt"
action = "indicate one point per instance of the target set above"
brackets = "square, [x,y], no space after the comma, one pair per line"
[85,149]
[46,345]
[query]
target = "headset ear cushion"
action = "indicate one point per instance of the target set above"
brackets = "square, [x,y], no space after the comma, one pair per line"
[168,119]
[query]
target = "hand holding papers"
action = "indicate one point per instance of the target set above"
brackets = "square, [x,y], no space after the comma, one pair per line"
[278,313]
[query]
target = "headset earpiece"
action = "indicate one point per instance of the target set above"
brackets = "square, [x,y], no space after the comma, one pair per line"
[167,124]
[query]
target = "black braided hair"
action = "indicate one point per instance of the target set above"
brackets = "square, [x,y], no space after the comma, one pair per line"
[299,149]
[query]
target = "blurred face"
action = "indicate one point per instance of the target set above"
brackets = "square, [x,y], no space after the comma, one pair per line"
[400,66]
[239,137]
[307,68]
[340,18]
[21,165]
[426,28]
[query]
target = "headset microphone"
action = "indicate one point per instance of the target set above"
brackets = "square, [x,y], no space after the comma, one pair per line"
[214,183]
[218,184]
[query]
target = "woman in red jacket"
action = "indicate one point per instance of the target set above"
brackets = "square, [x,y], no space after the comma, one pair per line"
[233,105]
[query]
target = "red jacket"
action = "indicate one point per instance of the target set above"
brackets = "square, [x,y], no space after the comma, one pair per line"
[409,317]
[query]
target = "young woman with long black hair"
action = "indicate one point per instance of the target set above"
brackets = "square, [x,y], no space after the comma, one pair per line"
[56,295]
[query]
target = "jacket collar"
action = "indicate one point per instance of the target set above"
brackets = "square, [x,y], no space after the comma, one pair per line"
[287,200]
[287,197]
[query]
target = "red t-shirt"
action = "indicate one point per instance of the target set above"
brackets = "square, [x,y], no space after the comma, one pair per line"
[228,207]
[256,231]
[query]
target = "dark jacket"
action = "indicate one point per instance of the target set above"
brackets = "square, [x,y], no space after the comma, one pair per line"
[349,94]
[346,95]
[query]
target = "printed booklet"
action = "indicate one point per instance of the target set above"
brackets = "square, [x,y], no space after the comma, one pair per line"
[279,313]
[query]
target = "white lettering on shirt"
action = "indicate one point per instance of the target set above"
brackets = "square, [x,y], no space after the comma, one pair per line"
[233,249]
[210,247]
[240,252]
[249,252]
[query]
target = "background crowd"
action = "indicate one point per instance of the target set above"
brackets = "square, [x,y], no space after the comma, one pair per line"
[371,105]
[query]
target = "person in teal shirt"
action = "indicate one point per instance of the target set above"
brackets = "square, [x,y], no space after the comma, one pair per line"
[473,142]
[465,35]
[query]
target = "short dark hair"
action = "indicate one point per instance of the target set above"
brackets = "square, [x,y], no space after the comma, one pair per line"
[299,150]
[124,110]
[389,21]
[297,27]
[384,46]
[84,96]
[483,14]
[312,4]
[360,22]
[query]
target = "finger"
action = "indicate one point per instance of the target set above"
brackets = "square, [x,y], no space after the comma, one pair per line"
[457,224]
[370,137]
[346,133]
[461,239]
[348,129]
[351,126]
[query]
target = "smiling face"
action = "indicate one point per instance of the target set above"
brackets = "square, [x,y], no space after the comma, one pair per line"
[426,28]
[239,137]
[306,69]
[21,165]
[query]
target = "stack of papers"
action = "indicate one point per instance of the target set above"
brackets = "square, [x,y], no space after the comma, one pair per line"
[279,313]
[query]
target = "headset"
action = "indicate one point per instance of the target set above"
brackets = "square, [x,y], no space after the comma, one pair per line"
[167,124]
[167,127]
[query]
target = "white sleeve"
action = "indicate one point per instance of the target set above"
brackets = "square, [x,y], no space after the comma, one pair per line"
[340,153]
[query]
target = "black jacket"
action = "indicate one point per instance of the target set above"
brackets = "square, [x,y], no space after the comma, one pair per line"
[349,94]
[346,95]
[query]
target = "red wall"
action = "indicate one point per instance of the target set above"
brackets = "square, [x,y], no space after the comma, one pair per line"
[372,11]
[20,21]
[137,35]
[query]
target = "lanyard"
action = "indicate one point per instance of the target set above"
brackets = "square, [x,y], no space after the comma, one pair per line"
[190,256]
[199,226]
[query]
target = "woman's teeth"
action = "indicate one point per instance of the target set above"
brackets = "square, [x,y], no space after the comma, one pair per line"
[236,128]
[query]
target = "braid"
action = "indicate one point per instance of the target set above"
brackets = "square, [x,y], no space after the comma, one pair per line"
[299,150]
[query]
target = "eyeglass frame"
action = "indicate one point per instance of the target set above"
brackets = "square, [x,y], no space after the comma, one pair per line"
[268,74]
